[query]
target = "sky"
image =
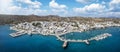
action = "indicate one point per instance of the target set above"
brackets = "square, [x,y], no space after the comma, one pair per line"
[85,8]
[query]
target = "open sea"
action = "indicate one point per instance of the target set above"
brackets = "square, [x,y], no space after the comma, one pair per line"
[40,43]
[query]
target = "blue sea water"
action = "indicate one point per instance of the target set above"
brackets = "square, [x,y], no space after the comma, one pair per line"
[39,43]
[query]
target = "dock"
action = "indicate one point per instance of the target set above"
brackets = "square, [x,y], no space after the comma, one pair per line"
[17,34]
[69,40]
[97,38]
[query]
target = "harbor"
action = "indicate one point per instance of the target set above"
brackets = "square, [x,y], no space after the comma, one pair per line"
[50,43]
[58,29]
[87,41]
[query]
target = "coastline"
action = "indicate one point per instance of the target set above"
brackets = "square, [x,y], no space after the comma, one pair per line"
[56,29]
[39,42]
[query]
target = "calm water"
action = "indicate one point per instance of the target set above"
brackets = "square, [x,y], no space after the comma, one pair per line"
[39,43]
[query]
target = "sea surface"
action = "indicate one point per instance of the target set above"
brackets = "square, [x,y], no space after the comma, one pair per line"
[40,43]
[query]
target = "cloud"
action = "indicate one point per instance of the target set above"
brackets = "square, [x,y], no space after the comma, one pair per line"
[115,5]
[4,5]
[14,7]
[32,4]
[55,5]
[85,1]
[92,8]
[99,10]
[58,9]
[26,11]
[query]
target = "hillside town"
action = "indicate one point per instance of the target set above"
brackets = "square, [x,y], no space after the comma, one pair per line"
[57,29]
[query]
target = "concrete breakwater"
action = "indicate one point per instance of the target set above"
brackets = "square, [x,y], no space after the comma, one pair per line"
[97,38]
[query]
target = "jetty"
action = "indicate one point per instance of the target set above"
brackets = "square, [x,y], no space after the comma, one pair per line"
[72,40]
[97,38]
[17,34]
[100,37]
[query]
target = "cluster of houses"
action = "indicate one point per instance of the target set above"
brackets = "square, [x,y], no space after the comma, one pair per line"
[58,28]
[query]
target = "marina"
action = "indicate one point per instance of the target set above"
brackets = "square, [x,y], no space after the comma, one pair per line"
[38,43]
[55,29]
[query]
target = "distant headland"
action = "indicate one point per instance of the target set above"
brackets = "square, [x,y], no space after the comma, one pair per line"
[15,19]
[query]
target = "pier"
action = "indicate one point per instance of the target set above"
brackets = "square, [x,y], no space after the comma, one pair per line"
[69,40]
[100,37]
[17,34]
[97,38]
